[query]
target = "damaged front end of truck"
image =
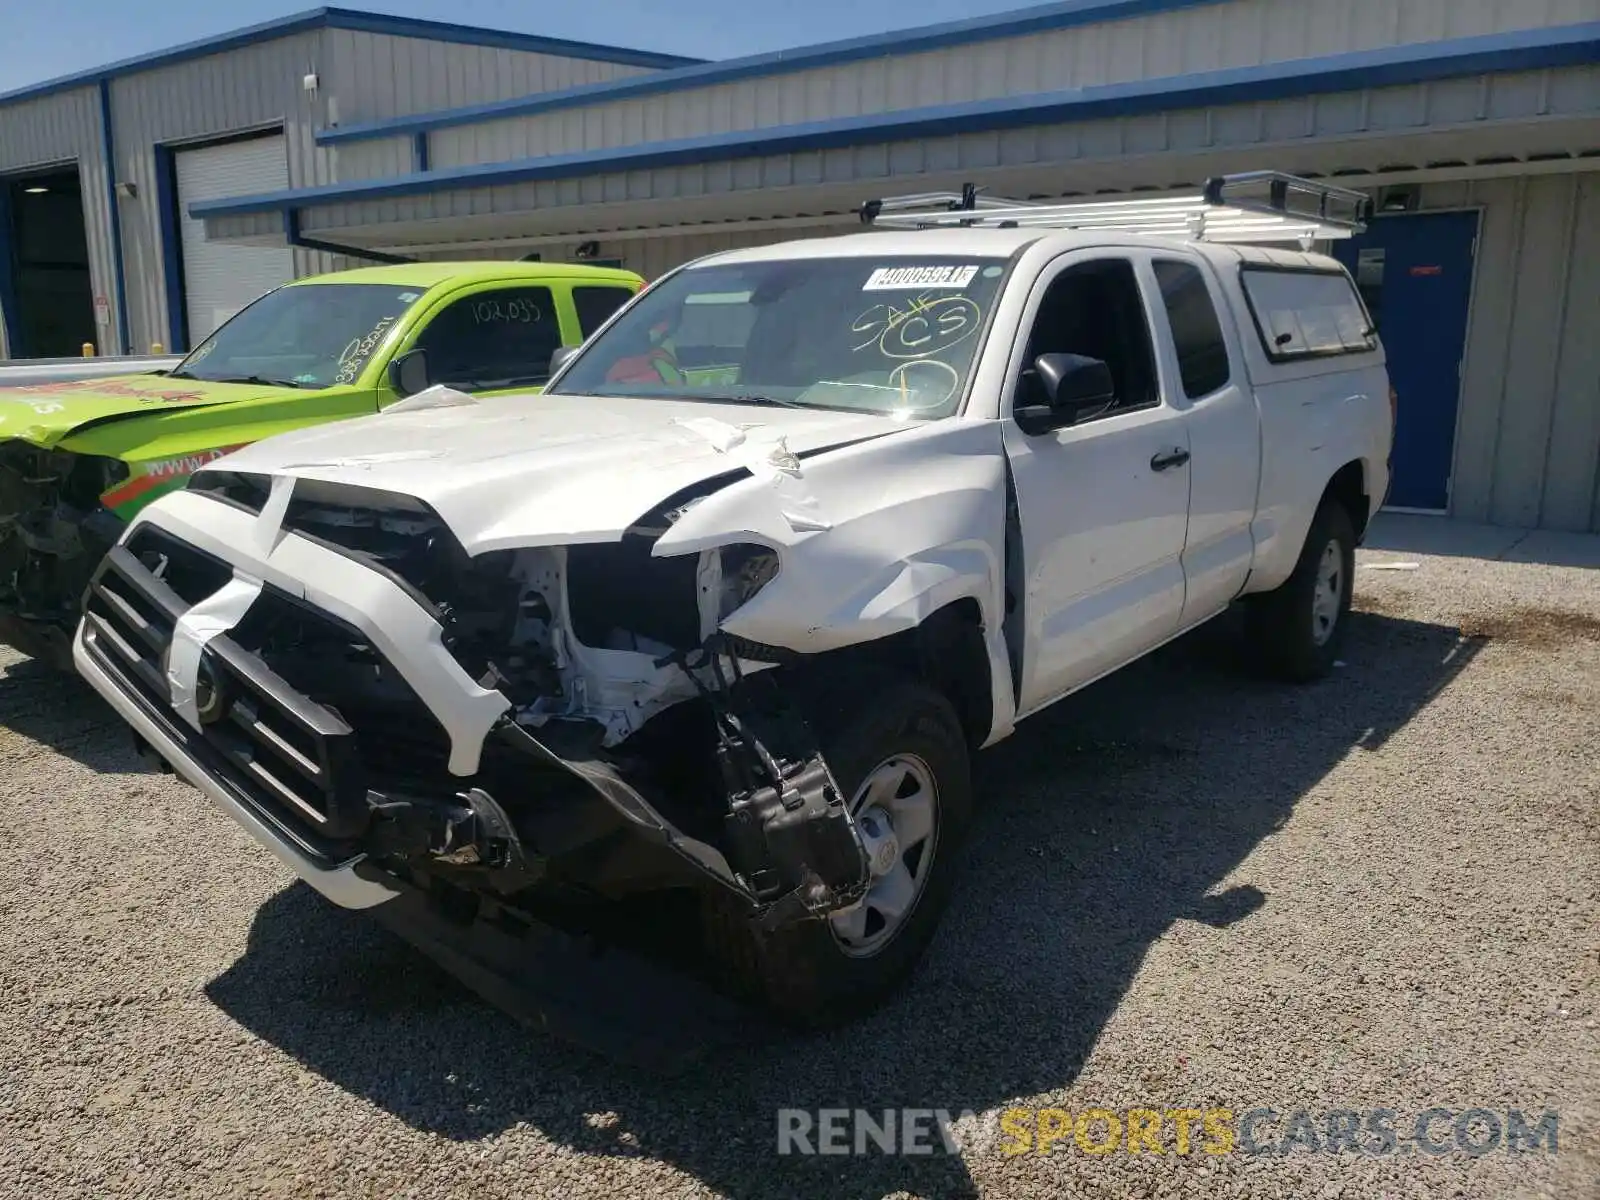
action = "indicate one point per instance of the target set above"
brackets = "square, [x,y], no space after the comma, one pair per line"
[454,727]
[614,690]
[630,644]
[584,732]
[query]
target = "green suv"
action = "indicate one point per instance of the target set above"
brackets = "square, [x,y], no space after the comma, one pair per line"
[78,459]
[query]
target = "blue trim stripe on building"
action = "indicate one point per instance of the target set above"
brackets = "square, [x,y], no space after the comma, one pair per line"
[782,62]
[499,39]
[364,22]
[171,249]
[1573,45]
[119,276]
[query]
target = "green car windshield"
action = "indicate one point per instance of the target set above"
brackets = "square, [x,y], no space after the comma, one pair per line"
[314,335]
[896,335]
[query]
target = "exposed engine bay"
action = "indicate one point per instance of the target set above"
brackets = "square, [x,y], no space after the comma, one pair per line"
[53,532]
[640,748]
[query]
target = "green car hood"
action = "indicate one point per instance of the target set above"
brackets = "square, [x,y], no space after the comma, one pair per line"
[46,413]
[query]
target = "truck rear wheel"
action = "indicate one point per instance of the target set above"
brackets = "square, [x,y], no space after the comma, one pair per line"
[1298,629]
[897,750]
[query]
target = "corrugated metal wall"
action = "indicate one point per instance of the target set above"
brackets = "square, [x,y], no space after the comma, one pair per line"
[58,129]
[649,257]
[1209,37]
[253,87]
[362,76]
[384,76]
[1528,436]
[1467,119]
[381,75]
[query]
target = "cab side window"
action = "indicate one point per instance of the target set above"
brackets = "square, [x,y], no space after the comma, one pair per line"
[1095,309]
[596,304]
[502,338]
[1196,331]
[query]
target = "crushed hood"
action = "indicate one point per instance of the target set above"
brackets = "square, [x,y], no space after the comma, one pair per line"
[531,470]
[46,413]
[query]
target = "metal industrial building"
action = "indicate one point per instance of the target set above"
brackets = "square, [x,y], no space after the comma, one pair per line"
[1475,124]
[220,117]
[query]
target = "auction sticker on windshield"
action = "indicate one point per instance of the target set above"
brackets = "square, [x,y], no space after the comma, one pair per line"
[892,278]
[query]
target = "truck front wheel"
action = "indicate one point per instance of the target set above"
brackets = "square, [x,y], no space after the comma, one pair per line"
[896,748]
[1298,629]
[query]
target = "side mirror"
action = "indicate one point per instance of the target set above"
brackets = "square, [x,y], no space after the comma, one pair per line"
[561,356]
[408,373]
[1071,384]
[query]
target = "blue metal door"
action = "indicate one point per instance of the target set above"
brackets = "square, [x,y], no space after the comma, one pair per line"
[1415,273]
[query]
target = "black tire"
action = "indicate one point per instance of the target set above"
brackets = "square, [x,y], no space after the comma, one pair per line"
[1282,627]
[802,974]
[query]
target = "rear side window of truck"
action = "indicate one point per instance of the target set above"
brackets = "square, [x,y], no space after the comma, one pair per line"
[1307,314]
[596,304]
[1196,331]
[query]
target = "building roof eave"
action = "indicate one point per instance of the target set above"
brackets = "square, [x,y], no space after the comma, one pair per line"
[1574,45]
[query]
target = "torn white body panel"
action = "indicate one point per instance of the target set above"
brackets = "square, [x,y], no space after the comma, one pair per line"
[517,471]
[914,523]
[437,396]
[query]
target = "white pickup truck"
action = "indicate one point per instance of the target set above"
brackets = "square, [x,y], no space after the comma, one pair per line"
[725,611]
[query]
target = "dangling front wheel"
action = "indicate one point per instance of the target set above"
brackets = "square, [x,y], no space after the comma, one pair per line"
[897,810]
[898,751]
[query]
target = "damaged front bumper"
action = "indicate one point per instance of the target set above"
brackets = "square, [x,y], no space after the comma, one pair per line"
[337,794]
[616,1003]
[350,883]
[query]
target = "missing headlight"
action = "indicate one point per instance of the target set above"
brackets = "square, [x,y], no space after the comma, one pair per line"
[85,478]
[746,569]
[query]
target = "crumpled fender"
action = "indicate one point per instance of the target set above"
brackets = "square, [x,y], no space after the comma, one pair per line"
[891,531]
[46,414]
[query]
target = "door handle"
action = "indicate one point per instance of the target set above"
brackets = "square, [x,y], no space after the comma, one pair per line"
[1175,457]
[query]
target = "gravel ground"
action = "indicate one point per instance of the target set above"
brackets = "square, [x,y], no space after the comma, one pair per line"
[1186,888]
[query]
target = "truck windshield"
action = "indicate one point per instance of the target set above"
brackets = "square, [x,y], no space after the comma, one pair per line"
[312,335]
[896,335]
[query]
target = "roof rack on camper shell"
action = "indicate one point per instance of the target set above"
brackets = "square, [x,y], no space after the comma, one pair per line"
[1255,206]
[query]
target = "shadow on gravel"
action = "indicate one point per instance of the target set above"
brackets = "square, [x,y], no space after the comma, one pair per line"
[1103,822]
[59,710]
